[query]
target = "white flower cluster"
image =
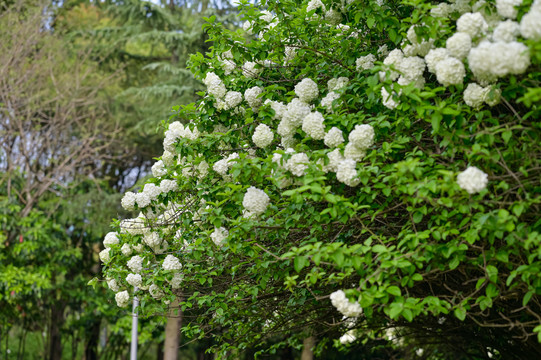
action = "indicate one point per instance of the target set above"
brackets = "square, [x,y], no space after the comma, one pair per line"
[136,264]
[507,8]
[362,137]
[476,95]
[472,180]
[348,337]
[104,255]
[134,279]
[344,306]
[255,202]
[222,166]
[219,235]
[250,70]
[215,85]
[126,250]
[252,96]
[491,60]
[171,263]
[365,62]
[176,280]
[113,285]
[416,48]
[333,137]
[306,90]
[232,99]
[327,101]
[122,298]
[156,292]
[110,239]
[297,164]
[530,26]
[158,169]
[506,31]
[337,84]
[313,125]
[278,107]
[262,136]
[346,172]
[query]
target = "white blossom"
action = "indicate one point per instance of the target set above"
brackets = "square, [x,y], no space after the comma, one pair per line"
[333,17]
[219,235]
[122,298]
[314,4]
[262,136]
[344,306]
[362,136]
[135,264]
[176,280]
[113,285]
[348,337]
[104,255]
[365,62]
[215,85]
[252,96]
[297,164]
[333,137]
[249,69]
[507,8]
[346,172]
[474,95]
[353,152]
[472,24]
[336,84]
[110,239]
[489,60]
[306,90]
[327,101]
[313,125]
[155,292]
[450,71]
[134,279]
[434,56]
[126,250]
[388,99]
[232,99]
[152,191]
[255,201]
[171,263]
[441,10]
[296,111]
[472,180]
[530,25]
[507,31]
[167,185]
[278,107]
[459,45]
[158,169]
[128,201]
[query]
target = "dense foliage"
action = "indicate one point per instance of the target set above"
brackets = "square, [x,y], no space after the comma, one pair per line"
[364,170]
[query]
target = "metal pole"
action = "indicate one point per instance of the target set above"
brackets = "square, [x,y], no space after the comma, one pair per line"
[133,349]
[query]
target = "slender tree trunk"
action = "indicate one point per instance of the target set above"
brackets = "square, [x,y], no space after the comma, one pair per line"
[55,338]
[91,341]
[307,348]
[172,332]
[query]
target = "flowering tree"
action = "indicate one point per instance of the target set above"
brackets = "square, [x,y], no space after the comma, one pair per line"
[356,171]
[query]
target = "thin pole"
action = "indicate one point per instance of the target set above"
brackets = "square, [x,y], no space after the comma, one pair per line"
[133,349]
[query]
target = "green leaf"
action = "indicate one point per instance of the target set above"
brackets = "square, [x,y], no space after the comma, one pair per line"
[394,290]
[300,262]
[460,313]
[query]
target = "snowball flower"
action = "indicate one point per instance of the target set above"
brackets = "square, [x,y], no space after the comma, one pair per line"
[333,17]
[110,239]
[388,99]
[168,185]
[155,292]
[507,8]
[507,31]
[472,24]
[472,180]
[474,95]
[252,96]
[346,173]
[171,263]
[394,58]
[255,201]
[105,256]
[489,60]
[335,158]
[249,70]
[450,71]
[135,264]
[334,137]
[336,84]
[348,337]
[158,169]
[122,298]
[327,101]
[113,285]
[441,10]
[353,152]
[142,199]
[232,99]
[128,201]
[297,164]
[215,85]
[176,281]
[530,25]
[434,56]
[219,235]
[412,67]
[313,125]
[263,136]
[126,250]
[314,4]
[295,112]
[343,305]
[365,62]
[306,90]
[459,45]
[362,136]
[134,279]
[278,107]
[152,239]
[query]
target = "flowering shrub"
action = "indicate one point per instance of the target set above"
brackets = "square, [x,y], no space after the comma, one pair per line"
[365,159]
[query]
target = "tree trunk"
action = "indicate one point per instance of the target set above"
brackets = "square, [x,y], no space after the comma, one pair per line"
[91,341]
[55,338]
[307,348]
[172,332]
